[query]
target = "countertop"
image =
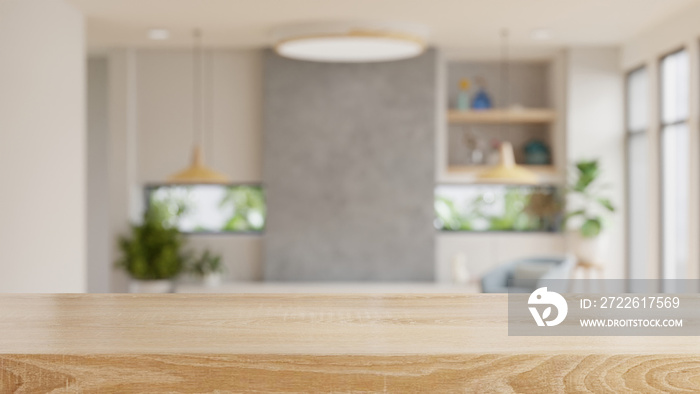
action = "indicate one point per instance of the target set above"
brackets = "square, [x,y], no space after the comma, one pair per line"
[332,288]
[310,342]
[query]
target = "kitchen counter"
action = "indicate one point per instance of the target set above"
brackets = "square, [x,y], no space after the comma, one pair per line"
[314,342]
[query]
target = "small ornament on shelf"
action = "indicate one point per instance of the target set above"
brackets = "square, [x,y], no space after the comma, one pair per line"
[537,152]
[463,100]
[472,152]
[478,155]
[481,100]
[494,156]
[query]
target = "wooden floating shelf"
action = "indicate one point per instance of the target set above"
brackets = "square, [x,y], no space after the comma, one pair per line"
[497,116]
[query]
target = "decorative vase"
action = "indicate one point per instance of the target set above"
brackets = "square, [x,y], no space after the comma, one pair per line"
[212,279]
[482,100]
[151,286]
[586,249]
[537,153]
[463,100]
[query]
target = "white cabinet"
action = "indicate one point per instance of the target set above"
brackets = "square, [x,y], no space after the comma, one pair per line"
[485,251]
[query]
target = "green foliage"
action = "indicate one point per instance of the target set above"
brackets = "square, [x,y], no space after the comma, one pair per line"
[168,210]
[206,263]
[590,208]
[452,218]
[523,210]
[248,203]
[242,207]
[591,227]
[152,250]
[587,174]
[514,216]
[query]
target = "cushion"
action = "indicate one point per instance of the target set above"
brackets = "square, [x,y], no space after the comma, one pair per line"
[527,273]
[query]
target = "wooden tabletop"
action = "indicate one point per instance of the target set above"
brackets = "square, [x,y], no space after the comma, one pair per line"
[304,342]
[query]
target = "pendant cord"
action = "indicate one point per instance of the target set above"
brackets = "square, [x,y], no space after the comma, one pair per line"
[505,75]
[197,129]
[210,104]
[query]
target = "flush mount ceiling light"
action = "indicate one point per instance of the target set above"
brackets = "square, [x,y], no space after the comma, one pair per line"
[350,42]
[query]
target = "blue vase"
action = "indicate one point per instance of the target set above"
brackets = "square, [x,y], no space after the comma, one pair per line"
[481,100]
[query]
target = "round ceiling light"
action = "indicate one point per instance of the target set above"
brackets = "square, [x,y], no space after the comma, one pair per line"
[350,42]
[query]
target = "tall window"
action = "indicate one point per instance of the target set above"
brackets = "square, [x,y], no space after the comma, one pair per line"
[674,163]
[637,124]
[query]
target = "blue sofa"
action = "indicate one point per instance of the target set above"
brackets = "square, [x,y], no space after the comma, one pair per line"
[526,275]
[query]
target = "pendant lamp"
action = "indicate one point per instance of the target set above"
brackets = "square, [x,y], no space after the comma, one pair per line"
[197,172]
[507,171]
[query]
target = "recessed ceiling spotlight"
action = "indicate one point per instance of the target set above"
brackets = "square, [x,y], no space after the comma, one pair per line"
[541,34]
[158,34]
[350,42]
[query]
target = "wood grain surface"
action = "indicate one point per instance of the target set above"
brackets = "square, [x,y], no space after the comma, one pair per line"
[489,373]
[304,324]
[310,343]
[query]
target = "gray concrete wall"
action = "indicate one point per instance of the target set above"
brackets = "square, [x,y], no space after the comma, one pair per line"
[349,169]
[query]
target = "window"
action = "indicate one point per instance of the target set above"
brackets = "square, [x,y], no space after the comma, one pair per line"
[637,123]
[497,208]
[209,208]
[674,163]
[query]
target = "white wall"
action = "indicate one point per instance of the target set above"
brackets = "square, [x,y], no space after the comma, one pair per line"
[42,147]
[594,121]
[232,91]
[677,31]
[151,138]
[232,84]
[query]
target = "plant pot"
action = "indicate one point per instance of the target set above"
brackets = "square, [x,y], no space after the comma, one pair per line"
[586,249]
[151,286]
[211,280]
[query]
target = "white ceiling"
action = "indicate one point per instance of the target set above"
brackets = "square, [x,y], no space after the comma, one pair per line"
[457,26]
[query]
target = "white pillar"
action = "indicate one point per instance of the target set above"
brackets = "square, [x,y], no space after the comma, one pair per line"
[42,147]
[595,130]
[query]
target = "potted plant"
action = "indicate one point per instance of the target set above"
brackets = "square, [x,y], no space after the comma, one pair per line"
[152,255]
[208,268]
[588,211]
